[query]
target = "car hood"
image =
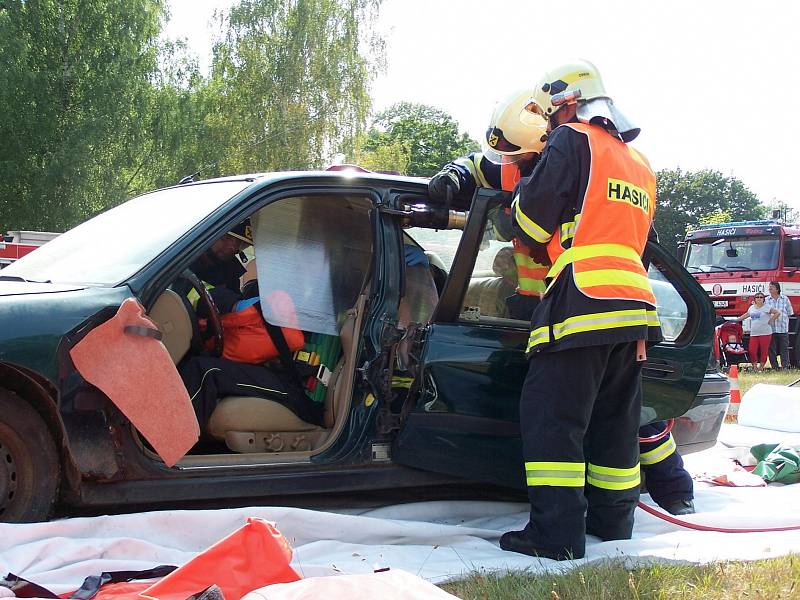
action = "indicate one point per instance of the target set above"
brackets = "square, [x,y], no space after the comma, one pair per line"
[17,288]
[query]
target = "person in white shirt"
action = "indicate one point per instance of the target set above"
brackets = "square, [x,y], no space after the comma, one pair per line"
[761,317]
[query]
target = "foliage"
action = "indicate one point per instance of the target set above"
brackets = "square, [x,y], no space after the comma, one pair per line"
[430,134]
[96,108]
[685,199]
[74,81]
[716,217]
[290,82]
[774,578]
[390,157]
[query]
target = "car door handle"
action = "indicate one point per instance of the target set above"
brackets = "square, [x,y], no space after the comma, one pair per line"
[660,369]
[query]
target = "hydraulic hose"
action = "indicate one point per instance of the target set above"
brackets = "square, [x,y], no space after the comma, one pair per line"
[659,436]
[698,527]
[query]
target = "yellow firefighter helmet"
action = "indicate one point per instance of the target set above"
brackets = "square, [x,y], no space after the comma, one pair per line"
[514,132]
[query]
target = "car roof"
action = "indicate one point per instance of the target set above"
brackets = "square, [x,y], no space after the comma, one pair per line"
[332,176]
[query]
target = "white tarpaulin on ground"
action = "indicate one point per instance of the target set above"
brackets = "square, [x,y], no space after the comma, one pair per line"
[436,540]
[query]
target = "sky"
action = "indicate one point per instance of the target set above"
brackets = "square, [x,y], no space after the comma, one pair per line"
[712,84]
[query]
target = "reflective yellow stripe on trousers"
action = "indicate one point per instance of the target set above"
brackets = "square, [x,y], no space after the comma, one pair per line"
[611,478]
[658,453]
[559,474]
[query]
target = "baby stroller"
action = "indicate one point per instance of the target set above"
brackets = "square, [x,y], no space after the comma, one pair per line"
[730,348]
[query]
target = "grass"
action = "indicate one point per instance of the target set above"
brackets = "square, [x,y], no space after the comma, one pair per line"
[764,579]
[777,578]
[748,378]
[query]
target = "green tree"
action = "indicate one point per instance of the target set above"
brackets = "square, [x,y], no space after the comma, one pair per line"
[686,198]
[75,76]
[430,134]
[290,82]
[391,157]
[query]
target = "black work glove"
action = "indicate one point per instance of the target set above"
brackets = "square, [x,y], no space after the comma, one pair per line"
[447,177]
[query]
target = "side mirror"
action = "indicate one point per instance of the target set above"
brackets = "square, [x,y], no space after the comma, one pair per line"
[682,246]
[791,254]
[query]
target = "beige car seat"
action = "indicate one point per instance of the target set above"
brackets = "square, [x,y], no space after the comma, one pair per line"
[249,424]
[170,314]
[489,293]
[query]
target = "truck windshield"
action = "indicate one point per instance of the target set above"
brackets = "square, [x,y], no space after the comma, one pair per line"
[733,254]
[114,245]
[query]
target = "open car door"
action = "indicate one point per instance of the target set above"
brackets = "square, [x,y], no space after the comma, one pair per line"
[465,419]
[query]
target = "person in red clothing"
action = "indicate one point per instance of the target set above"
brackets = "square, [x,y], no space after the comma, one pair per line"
[761,318]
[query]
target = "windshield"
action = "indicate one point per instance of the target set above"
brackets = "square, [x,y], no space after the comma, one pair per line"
[117,243]
[733,254]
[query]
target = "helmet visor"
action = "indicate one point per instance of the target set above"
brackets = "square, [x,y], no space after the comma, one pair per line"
[501,159]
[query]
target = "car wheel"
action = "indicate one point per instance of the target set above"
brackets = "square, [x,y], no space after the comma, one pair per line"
[29,465]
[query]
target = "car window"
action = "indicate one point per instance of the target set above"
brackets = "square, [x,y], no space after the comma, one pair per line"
[317,250]
[493,278]
[671,307]
[117,243]
[440,243]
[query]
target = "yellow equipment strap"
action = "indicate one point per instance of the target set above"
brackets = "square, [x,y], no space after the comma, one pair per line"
[658,453]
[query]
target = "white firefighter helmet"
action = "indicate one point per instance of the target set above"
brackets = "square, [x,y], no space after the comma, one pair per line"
[514,132]
[579,82]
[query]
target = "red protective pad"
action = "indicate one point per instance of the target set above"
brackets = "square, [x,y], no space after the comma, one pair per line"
[138,375]
[252,557]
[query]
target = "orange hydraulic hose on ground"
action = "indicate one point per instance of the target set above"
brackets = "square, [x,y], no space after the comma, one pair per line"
[698,527]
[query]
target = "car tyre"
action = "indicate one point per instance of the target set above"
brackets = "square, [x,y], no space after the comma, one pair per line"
[29,465]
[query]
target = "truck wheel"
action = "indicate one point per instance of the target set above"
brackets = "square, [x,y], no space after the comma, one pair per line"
[29,465]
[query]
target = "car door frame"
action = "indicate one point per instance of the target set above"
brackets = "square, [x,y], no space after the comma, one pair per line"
[460,444]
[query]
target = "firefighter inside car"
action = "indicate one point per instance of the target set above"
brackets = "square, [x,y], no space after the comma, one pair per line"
[249,343]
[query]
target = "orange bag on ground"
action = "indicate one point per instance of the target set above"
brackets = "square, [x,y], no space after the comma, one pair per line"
[252,557]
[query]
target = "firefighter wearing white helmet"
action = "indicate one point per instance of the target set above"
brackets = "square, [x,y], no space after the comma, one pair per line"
[579,83]
[587,210]
[511,147]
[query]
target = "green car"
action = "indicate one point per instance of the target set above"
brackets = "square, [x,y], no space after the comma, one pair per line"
[419,366]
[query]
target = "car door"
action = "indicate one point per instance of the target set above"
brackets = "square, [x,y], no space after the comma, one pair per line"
[465,419]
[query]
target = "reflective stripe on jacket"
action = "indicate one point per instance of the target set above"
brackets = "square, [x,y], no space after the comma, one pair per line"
[530,274]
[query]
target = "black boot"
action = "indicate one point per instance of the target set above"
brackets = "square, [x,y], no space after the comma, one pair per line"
[518,541]
[679,507]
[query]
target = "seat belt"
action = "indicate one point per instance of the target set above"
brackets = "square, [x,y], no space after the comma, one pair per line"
[322,373]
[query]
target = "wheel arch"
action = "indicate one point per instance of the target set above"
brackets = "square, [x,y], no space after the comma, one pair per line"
[42,396]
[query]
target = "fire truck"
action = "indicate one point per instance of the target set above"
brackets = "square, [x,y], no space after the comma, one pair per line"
[733,261]
[16,244]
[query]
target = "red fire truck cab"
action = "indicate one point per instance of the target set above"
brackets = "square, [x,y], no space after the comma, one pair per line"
[733,261]
[16,244]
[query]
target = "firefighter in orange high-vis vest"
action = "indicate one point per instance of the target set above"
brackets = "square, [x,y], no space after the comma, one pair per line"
[588,334]
[511,147]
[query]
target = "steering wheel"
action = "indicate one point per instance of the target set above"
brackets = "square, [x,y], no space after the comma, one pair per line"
[207,305]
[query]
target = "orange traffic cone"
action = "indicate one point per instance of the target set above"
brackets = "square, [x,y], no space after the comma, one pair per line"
[732,415]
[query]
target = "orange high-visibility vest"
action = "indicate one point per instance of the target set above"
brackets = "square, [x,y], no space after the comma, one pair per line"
[615,220]
[530,274]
